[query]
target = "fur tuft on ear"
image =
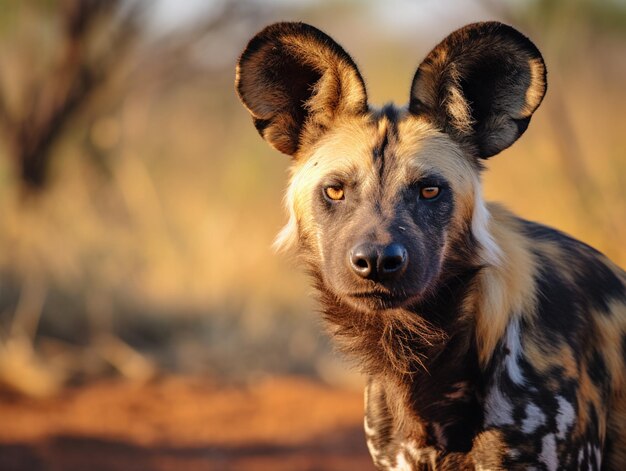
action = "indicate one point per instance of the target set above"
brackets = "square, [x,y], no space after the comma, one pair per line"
[481,85]
[295,80]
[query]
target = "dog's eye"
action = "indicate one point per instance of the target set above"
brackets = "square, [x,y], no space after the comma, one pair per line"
[334,193]
[429,192]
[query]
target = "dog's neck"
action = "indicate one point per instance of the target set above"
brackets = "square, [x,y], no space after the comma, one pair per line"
[439,406]
[423,357]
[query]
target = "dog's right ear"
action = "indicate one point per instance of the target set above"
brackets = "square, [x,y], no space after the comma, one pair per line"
[481,85]
[295,80]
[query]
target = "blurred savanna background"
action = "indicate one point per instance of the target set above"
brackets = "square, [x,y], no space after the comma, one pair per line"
[145,322]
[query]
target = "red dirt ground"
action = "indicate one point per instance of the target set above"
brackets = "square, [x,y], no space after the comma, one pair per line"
[186,424]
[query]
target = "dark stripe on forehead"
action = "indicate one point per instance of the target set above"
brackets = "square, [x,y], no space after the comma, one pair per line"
[379,149]
[392,115]
[386,121]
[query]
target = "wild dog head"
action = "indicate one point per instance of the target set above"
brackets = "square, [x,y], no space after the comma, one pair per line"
[385,204]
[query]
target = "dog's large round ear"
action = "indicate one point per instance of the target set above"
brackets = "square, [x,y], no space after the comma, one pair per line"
[295,80]
[481,85]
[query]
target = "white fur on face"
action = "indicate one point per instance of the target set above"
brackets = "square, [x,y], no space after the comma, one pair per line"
[344,150]
[491,251]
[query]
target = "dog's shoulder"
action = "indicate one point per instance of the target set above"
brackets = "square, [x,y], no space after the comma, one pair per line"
[560,362]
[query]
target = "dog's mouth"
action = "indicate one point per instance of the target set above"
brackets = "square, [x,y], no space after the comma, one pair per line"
[381,300]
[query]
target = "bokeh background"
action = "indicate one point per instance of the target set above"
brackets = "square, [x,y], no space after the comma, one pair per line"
[138,204]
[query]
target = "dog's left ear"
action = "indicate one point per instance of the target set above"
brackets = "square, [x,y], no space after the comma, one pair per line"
[481,85]
[295,81]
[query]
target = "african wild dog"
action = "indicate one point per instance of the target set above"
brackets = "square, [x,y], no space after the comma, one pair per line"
[489,342]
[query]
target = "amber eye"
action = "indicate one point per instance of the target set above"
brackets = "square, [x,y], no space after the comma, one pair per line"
[429,192]
[334,193]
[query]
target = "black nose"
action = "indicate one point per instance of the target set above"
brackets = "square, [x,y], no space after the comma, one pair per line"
[376,262]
